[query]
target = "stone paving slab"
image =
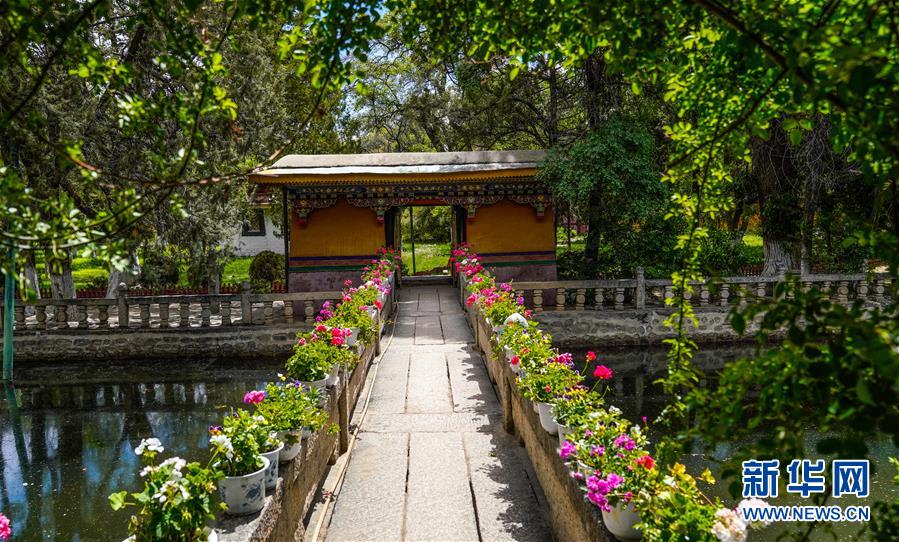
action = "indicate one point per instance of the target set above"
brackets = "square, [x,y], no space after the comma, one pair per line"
[471,387]
[505,498]
[432,462]
[440,505]
[428,330]
[371,501]
[429,387]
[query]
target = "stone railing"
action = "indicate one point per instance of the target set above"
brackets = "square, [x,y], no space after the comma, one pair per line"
[170,311]
[640,293]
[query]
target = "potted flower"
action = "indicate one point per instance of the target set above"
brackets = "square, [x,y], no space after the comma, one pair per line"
[290,409]
[577,407]
[315,354]
[235,452]
[270,446]
[176,501]
[543,384]
[618,467]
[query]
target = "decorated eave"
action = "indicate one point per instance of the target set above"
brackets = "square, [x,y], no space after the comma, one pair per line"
[385,180]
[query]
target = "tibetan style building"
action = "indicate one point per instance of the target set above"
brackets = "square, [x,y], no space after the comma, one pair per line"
[340,208]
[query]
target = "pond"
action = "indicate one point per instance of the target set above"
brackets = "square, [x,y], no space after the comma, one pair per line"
[69,444]
[635,392]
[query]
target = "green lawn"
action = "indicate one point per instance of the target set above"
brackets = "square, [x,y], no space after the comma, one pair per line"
[89,272]
[428,257]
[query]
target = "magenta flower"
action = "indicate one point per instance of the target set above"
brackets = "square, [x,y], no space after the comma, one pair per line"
[5,528]
[624,441]
[566,450]
[254,397]
[602,372]
[596,451]
[614,480]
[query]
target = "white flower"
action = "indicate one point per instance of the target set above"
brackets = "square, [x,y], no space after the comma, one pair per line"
[753,503]
[614,410]
[149,469]
[223,444]
[152,444]
[729,526]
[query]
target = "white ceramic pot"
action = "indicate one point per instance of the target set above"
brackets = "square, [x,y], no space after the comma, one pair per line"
[333,378]
[244,494]
[534,406]
[516,369]
[352,337]
[621,520]
[373,313]
[271,473]
[546,418]
[508,353]
[320,384]
[290,450]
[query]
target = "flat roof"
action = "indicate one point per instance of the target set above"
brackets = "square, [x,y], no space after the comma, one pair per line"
[403,164]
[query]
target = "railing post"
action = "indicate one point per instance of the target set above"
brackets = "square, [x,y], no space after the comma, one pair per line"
[246,308]
[122,300]
[640,294]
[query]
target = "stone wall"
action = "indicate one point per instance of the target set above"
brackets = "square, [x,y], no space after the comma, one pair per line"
[631,327]
[155,343]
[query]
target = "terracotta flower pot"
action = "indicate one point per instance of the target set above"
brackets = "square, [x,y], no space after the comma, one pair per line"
[244,494]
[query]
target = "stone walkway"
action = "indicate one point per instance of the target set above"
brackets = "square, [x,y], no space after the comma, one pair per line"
[432,461]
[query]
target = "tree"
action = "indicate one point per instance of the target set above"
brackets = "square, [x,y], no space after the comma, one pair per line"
[611,178]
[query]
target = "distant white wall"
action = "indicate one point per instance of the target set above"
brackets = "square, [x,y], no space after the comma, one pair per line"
[250,244]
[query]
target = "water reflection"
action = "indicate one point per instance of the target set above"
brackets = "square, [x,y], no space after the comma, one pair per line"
[634,390]
[64,447]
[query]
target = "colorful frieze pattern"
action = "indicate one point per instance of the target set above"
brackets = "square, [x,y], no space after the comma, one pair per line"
[381,197]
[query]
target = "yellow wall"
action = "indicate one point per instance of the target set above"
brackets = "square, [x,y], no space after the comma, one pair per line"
[339,230]
[507,226]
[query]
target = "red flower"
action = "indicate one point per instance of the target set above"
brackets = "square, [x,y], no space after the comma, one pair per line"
[337,341]
[515,360]
[591,356]
[647,462]
[602,372]
[379,304]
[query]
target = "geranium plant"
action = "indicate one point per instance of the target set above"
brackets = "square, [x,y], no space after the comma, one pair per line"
[176,501]
[287,405]
[316,352]
[543,384]
[236,444]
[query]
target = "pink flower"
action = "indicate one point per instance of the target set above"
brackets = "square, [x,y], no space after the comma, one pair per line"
[548,389]
[597,450]
[337,341]
[600,501]
[624,441]
[591,356]
[614,480]
[254,397]
[348,282]
[519,300]
[515,360]
[628,496]
[646,461]
[567,450]
[321,328]
[5,528]
[602,372]
[505,286]
[301,342]
[528,313]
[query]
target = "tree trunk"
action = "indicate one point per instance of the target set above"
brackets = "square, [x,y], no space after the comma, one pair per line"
[62,283]
[778,257]
[129,276]
[594,233]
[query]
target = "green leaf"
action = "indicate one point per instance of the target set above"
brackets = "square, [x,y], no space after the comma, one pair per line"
[117,500]
[863,392]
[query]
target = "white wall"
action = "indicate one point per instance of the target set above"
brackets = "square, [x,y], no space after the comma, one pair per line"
[250,245]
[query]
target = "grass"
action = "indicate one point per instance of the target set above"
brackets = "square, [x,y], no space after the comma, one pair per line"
[88,272]
[428,257]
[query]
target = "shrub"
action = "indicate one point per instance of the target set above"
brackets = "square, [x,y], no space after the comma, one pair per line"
[267,267]
[159,269]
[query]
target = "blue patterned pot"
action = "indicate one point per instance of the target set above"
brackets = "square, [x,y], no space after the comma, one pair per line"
[244,494]
[271,473]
